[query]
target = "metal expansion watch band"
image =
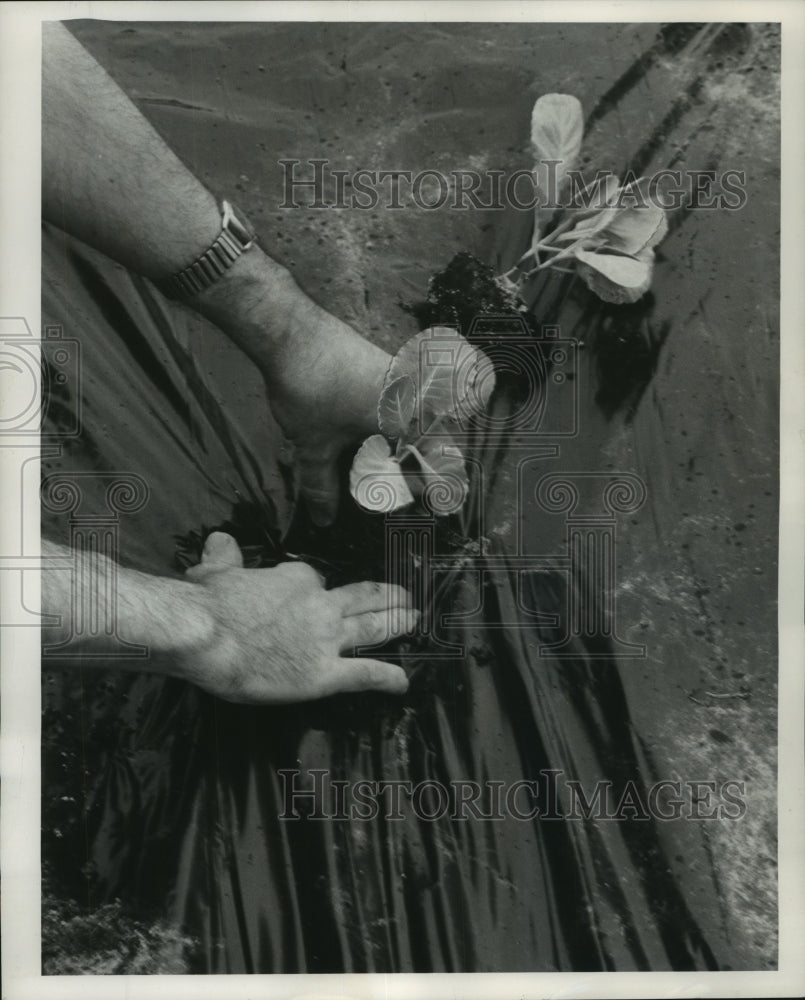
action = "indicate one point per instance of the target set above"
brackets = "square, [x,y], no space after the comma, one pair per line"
[236,237]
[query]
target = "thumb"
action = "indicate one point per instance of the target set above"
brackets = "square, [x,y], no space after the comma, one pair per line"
[318,484]
[221,551]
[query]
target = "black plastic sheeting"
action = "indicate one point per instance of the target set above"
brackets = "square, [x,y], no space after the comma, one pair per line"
[188,800]
[173,801]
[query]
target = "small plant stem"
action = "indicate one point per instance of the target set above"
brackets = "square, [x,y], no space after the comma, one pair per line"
[561,255]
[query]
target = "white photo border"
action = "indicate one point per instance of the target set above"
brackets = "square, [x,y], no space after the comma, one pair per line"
[20,128]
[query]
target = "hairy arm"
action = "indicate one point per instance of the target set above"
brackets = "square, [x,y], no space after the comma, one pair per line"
[268,635]
[263,636]
[109,179]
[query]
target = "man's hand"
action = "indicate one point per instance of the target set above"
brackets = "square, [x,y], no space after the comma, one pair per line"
[278,635]
[259,636]
[324,396]
[322,378]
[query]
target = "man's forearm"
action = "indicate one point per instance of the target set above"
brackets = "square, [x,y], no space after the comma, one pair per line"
[109,179]
[107,176]
[168,616]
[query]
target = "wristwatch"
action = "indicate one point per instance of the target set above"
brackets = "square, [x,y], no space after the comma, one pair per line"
[236,237]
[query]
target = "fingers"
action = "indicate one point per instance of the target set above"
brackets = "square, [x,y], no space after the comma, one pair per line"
[221,551]
[373,613]
[358,598]
[376,627]
[366,675]
[318,484]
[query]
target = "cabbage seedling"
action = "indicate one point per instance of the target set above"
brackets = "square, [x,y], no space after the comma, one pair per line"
[436,383]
